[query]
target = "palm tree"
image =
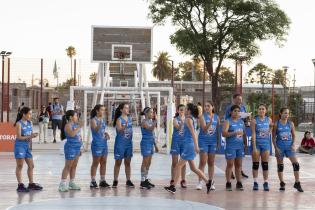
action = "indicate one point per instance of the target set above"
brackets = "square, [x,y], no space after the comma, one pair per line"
[93,78]
[71,52]
[162,67]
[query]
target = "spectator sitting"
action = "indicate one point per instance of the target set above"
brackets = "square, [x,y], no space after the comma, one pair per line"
[307,144]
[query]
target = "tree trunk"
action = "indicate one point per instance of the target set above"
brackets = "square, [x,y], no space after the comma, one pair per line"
[214,83]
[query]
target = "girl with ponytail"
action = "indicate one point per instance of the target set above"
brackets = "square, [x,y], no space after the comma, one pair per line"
[123,147]
[99,145]
[71,130]
[22,150]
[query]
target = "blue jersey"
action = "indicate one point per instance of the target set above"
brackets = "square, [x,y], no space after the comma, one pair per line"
[125,134]
[98,137]
[262,130]
[75,140]
[187,134]
[26,130]
[284,135]
[209,136]
[235,142]
[228,110]
[178,134]
[147,135]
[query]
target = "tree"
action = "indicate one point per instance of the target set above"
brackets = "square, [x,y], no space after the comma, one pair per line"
[93,78]
[279,77]
[71,52]
[66,84]
[187,68]
[162,68]
[218,29]
[260,74]
[295,104]
[254,99]
[226,77]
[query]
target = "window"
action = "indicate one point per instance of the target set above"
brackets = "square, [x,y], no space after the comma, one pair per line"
[123,83]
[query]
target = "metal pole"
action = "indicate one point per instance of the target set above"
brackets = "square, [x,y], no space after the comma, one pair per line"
[172,74]
[314,101]
[8,92]
[2,87]
[273,100]
[241,77]
[204,85]
[75,72]
[41,81]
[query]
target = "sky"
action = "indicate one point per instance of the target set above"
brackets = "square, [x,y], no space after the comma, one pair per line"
[36,29]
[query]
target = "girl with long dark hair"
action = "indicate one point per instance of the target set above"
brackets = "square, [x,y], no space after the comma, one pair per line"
[284,141]
[209,141]
[177,137]
[71,130]
[236,144]
[261,127]
[188,148]
[99,145]
[22,150]
[123,148]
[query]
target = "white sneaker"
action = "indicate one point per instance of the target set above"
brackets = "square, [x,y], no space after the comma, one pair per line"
[199,186]
[212,186]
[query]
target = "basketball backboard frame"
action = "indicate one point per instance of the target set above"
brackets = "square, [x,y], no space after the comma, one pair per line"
[122,60]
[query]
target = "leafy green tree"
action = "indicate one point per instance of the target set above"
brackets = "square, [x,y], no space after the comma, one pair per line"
[295,104]
[66,84]
[215,30]
[254,99]
[71,52]
[93,78]
[279,77]
[188,67]
[226,77]
[260,74]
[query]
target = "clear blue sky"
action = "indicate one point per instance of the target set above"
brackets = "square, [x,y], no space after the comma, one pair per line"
[38,28]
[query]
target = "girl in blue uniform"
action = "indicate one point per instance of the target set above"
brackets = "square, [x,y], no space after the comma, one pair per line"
[209,141]
[177,137]
[22,150]
[188,148]
[70,130]
[123,148]
[261,127]
[99,145]
[146,146]
[236,141]
[284,141]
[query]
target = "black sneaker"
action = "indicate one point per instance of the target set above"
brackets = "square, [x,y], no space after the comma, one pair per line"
[34,186]
[54,141]
[297,185]
[104,184]
[150,184]
[239,186]
[228,186]
[22,188]
[183,184]
[209,186]
[244,175]
[115,183]
[170,189]
[145,185]
[129,184]
[93,185]
[282,186]
[232,176]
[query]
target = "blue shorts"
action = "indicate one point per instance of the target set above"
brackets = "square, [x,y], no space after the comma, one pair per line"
[72,151]
[206,147]
[187,150]
[123,150]
[175,148]
[146,148]
[286,152]
[234,153]
[99,150]
[22,150]
[263,147]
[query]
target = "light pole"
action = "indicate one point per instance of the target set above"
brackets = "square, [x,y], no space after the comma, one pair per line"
[172,76]
[313,60]
[3,54]
[285,84]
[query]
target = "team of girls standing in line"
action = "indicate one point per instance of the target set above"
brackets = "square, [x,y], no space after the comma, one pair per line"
[185,145]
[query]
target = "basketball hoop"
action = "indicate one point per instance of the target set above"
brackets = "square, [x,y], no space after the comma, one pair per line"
[121,55]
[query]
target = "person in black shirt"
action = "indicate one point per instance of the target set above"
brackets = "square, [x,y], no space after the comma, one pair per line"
[43,120]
